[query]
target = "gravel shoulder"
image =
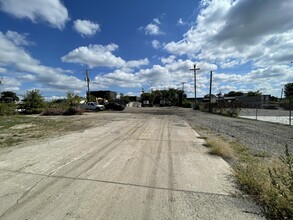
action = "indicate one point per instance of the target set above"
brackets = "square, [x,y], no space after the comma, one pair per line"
[259,136]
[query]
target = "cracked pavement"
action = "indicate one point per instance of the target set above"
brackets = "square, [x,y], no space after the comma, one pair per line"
[137,166]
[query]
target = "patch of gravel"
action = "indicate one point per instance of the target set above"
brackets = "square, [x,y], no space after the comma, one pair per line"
[258,136]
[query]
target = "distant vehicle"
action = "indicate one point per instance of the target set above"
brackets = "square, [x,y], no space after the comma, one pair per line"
[114,106]
[93,106]
[20,110]
[164,103]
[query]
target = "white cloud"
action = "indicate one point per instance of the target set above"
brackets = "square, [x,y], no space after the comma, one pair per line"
[170,59]
[153,28]
[3,70]
[118,78]
[156,21]
[102,56]
[181,22]
[137,63]
[243,30]
[85,27]
[168,75]
[52,12]
[18,39]
[19,64]
[256,35]
[95,56]
[156,44]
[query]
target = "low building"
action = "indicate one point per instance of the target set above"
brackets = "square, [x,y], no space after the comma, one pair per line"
[104,94]
[253,101]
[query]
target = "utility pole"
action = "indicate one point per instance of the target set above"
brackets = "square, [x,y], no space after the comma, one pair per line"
[183,86]
[194,71]
[87,79]
[1,82]
[182,94]
[210,96]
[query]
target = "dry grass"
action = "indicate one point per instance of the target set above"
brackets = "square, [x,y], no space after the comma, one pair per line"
[268,180]
[220,148]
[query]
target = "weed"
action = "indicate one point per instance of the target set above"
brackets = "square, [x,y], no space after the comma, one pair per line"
[219,147]
[268,180]
[280,200]
[207,145]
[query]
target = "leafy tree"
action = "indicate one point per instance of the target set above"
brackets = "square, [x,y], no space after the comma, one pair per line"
[33,102]
[147,97]
[273,99]
[289,90]
[208,95]
[9,94]
[124,99]
[252,93]
[233,94]
[73,99]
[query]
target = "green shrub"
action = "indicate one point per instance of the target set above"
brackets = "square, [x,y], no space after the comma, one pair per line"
[62,111]
[186,105]
[7,109]
[73,111]
[271,182]
[33,102]
[280,200]
[53,111]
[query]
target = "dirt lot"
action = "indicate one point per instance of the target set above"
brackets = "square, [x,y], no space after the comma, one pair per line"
[136,164]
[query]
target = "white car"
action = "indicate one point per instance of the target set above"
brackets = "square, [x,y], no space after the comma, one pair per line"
[93,106]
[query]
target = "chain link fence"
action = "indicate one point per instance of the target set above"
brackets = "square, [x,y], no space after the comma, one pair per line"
[279,115]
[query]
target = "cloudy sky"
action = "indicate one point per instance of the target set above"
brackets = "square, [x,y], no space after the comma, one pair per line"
[129,45]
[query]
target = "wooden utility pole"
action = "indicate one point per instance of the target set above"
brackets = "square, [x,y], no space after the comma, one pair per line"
[182,95]
[183,86]
[87,79]
[194,71]
[210,96]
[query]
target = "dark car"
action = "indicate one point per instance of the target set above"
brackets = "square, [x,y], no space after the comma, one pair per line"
[114,106]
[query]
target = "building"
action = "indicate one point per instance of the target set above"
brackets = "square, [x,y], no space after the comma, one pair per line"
[104,94]
[254,101]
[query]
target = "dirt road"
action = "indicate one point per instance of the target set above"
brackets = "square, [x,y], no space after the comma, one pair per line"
[135,166]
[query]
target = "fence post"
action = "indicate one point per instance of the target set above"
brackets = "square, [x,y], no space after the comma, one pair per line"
[290,111]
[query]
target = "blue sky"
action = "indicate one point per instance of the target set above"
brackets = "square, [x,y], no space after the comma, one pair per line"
[129,45]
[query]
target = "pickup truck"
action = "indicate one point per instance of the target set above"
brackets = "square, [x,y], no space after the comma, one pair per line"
[93,106]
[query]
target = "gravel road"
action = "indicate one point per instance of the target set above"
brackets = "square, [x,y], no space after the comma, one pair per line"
[259,136]
[141,164]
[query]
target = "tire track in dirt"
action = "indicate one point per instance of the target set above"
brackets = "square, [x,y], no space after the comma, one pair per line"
[171,198]
[137,155]
[153,177]
[85,160]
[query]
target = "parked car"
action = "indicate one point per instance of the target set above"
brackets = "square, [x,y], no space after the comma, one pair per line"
[114,106]
[93,106]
